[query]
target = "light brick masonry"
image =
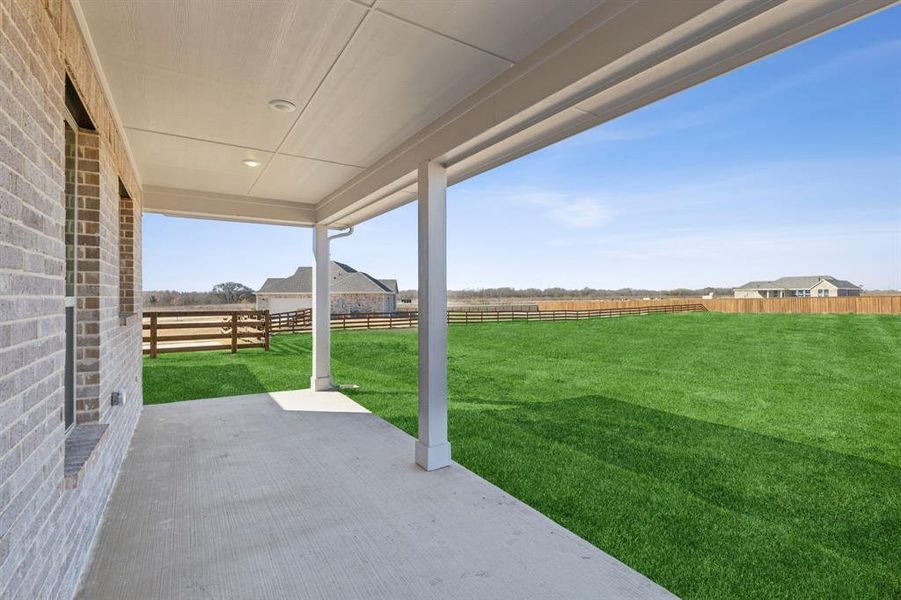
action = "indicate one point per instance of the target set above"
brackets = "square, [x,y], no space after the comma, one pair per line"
[341,304]
[52,489]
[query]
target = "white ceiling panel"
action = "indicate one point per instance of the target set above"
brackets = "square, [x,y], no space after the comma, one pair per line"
[301,179]
[509,28]
[176,162]
[393,79]
[206,69]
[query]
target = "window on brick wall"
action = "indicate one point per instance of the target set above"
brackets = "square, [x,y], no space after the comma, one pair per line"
[126,252]
[71,203]
[81,199]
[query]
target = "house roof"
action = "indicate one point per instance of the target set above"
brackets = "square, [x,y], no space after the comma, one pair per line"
[345,279]
[391,284]
[803,282]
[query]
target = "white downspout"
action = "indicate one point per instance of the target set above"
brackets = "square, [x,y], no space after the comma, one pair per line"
[321,378]
[347,231]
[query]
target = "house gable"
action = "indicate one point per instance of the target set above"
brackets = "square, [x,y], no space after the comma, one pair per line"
[345,280]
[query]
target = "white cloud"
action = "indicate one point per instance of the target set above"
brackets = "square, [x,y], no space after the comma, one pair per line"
[822,185]
[572,211]
[866,251]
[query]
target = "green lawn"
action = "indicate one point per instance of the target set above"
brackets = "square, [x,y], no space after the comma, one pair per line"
[724,456]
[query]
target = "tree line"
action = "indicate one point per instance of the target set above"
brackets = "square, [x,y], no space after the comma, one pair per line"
[583,293]
[229,292]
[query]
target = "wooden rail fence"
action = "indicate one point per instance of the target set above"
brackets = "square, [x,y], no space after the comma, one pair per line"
[885,305]
[297,321]
[301,321]
[193,331]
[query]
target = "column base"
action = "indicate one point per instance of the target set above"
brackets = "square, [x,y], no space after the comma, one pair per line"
[321,384]
[431,458]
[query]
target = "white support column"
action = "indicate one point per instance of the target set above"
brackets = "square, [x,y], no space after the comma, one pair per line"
[322,307]
[432,448]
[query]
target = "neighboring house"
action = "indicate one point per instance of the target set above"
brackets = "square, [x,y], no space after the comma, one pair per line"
[352,291]
[816,286]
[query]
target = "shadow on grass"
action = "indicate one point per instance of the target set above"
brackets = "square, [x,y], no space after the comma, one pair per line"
[290,345]
[190,381]
[704,509]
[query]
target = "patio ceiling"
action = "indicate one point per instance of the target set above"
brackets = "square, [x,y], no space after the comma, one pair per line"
[382,85]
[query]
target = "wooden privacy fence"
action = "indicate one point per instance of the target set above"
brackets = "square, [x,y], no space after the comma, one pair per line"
[193,331]
[300,321]
[883,305]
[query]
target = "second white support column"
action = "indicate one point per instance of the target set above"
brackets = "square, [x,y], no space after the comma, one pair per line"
[322,309]
[432,447]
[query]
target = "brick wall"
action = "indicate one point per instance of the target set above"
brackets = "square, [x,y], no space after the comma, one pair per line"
[362,303]
[48,521]
[341,303]
[128,253]
[87,283]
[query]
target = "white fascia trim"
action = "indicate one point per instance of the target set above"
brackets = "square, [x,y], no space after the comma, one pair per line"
[226,207]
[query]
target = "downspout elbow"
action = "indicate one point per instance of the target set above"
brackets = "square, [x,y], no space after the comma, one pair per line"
[347,231]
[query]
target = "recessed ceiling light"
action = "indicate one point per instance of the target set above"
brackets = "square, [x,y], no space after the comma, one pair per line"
[282,105]
[251,162]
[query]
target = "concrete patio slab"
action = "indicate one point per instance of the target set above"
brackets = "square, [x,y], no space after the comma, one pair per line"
[238,498]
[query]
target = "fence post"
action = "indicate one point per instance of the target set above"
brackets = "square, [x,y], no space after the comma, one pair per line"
[234,332]
[267,329]
[152,335]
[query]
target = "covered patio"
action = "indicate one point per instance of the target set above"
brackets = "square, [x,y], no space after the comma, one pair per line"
[327,114]
[324,115]
[262,496]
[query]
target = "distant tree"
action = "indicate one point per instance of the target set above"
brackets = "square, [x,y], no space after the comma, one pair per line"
[232,292]
[153,299]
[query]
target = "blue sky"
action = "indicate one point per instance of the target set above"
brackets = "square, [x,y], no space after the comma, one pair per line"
[788,166]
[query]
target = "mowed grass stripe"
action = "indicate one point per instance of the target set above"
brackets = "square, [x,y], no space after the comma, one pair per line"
[722,455]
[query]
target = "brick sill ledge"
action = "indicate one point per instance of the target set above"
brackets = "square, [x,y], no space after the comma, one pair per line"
[81,441]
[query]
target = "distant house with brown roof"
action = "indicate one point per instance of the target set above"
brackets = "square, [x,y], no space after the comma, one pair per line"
[816,286]
[352,291]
